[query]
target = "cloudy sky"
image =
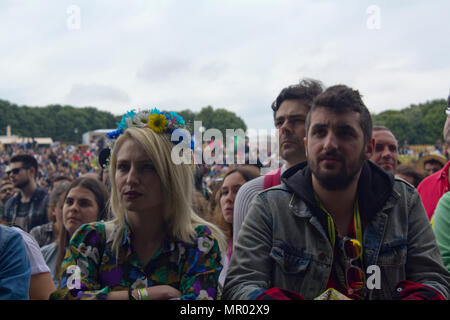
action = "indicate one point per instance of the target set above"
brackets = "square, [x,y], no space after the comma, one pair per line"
[233,54]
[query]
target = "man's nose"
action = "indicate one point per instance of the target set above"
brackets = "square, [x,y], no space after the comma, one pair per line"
[285,127]
[330,142]
[386,153]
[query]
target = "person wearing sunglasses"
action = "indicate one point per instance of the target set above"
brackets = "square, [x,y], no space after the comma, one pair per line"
[337,222]
[28,208]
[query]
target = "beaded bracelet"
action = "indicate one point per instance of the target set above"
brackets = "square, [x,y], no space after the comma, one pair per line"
[143,293]
[139,294]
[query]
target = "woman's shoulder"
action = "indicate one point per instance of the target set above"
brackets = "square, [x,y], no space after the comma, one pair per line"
[93,233]
[49,248]
[205,240]
[203,231]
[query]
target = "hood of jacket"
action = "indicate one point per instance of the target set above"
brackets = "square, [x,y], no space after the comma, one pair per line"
[374,187]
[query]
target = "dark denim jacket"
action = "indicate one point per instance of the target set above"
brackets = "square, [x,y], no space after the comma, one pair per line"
[38,210]
[282,243]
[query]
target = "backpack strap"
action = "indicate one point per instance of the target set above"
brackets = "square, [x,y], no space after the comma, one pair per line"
[273,178]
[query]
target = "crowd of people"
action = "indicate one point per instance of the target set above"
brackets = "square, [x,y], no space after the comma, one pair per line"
[122,221]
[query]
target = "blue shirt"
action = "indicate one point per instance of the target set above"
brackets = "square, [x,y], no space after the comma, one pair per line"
[15,268]
[49,252]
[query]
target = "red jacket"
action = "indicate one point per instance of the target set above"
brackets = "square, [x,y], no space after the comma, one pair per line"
[432,188]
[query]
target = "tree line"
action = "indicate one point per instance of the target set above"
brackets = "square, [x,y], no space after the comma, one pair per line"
[67,123]
[418,124]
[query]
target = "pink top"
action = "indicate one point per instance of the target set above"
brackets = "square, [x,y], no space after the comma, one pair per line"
[432,188]
[230,249]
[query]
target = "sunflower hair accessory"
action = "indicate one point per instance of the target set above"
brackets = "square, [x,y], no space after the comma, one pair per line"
[158,121]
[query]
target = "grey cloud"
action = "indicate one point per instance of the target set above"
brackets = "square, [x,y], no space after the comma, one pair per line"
[91,94]
[161,70]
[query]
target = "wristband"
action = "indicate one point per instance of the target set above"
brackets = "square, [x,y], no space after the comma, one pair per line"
[143,293]
[130,294]
[139,295]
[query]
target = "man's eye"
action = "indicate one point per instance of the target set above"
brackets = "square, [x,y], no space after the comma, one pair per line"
[297,120]
[319,132]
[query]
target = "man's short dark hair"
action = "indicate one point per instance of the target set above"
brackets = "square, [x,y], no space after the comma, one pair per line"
[306,90]
[342,99]
[27,161]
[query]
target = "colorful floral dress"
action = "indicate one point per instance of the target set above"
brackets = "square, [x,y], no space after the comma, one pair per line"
[193,268]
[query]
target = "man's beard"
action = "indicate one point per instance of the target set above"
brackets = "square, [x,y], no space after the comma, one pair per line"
[295,152]
[343,178]
[22,184]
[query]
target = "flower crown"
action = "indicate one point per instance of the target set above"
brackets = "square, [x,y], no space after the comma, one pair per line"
[159,122]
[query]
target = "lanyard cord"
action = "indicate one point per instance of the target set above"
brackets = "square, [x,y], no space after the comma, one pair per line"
[331,229]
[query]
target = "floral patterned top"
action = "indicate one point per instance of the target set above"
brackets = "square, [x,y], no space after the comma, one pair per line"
[193,269]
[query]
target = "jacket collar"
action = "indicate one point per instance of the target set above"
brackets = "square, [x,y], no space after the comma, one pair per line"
[375,190]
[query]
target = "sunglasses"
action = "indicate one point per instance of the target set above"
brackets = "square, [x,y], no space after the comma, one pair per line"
[354,275]
[15,171]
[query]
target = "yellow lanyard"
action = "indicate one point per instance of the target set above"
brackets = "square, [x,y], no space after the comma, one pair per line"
[331,229]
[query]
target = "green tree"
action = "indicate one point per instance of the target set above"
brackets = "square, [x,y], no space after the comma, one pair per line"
[418,124]
[220,119]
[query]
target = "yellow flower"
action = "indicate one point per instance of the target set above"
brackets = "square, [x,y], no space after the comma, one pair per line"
[157,122]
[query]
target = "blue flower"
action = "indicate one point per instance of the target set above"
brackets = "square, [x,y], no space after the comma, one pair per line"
[178,119]
[167,116]
[123,122]
[114,134]
[155,110]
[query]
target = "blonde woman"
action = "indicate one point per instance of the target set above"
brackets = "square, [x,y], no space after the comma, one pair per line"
[156,247]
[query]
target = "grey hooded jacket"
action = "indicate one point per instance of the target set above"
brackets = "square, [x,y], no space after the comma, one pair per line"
[284,242]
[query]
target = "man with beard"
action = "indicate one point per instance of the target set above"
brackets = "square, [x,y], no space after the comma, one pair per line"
[338,222]
[289,111]
[28,208]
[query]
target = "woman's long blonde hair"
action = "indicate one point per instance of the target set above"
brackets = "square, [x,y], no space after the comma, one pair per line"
[177,183]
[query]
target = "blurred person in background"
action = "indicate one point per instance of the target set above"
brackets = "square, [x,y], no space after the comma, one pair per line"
[232,182]
[28,208]
[434,186]
[385,153]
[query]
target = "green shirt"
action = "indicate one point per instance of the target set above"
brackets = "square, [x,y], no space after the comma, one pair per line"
[441,228]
